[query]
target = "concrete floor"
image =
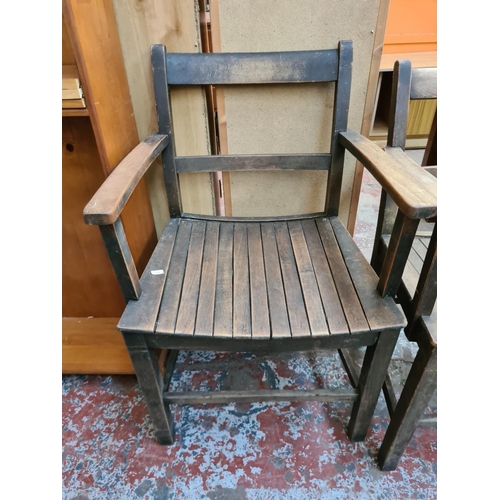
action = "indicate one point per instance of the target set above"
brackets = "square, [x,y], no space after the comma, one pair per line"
[240,451]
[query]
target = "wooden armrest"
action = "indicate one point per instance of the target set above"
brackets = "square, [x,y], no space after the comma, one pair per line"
[106,205]
[413,189]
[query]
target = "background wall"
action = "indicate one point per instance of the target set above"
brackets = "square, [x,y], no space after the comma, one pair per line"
[174,23]
[292,118]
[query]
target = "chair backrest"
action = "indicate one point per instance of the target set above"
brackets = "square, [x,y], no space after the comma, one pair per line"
[253,68]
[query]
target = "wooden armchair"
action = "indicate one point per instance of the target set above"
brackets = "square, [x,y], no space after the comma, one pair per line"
[259,284]
[417,293]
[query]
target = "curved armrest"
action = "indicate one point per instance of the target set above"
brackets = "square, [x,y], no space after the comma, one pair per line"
[106,205]
[413,189]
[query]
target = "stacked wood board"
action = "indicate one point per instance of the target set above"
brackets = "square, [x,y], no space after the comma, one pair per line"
[72,93]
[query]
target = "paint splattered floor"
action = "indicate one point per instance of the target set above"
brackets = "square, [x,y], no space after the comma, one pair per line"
[240,451]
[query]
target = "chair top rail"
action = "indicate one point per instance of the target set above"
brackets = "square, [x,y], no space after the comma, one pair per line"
[423,83]
[305,66]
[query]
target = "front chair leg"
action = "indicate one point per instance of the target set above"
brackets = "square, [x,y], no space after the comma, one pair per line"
[151,384]
[371,379]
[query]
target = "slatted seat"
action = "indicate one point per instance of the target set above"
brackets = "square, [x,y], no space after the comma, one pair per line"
[258,280]
[270,284]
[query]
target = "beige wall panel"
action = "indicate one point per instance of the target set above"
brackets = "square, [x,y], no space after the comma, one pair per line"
[299,120]
[174,23]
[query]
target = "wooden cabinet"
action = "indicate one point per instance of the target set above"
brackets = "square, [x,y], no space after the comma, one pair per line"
[411,33]
[94,140]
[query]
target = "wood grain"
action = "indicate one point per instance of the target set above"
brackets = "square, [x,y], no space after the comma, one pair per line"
[94,38]
[413,189]
[93,346]
[295,302]
[252,67]
[224,288]
[206,303]
[174,24]
[252,162]
[310,290]
[107,204]
[242,326]
[141,315]
[173,286]
[191,285]
[352,308]
[329,296]
[280,326]
[379,312]
[89,286]
[258,285]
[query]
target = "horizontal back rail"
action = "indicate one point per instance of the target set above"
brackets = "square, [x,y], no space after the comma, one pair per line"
[272,218]
[305,66]
[188,164]
[423,83]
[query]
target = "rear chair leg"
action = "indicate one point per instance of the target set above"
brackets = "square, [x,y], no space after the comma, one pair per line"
[151,384]
[419,387]
[371,379]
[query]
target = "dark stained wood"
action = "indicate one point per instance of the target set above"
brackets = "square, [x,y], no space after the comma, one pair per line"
[223,324]
[280,326]
[400,98]
[379,312]
[163,112]
[417,293]
[252,67]
[151,384]
[258,285]
[224,397]
[291,344]
[418,389]
[191,286]
[423,83]
[329,296]
[402,237]
[412,188]
[350,367]
[340,115]
[276,218]
[297,315]
[269,284]
[107,203]
[353,310]
[140,315]
[426,291]
[221,163]
[371,379]
[169,367]
[171,296]
[206,302]
[121,259]
[241,284]
[310,290]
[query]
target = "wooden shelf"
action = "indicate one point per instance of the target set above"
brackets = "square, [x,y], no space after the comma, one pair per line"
[418,60]
[75,112]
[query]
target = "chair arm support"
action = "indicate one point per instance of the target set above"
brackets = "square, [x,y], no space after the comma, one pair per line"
[106,205]
[413,189]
